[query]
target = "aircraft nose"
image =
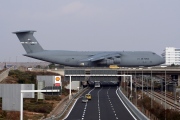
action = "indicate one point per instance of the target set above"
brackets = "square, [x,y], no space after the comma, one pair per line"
[162,60]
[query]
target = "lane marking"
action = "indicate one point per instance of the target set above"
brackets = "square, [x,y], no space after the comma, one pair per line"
[84,112]
[111,103]
[85,107]
[71,109]
[98,104]
[91,91]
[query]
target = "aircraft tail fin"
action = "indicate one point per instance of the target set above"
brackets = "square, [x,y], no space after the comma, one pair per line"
[28,41]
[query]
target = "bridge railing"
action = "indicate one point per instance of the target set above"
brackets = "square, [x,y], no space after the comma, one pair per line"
[135,111]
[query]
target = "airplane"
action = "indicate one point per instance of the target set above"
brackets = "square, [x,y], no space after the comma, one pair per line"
[86,58]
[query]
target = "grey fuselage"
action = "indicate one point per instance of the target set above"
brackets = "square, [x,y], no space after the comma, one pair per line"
[73,58]
[87,59]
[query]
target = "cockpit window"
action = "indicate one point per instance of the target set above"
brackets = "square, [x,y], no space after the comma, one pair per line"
[153,53]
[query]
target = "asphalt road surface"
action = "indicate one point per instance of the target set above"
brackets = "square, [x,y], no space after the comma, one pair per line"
[104,105]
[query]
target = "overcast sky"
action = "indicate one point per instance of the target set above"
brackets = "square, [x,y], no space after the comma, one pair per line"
[90,25]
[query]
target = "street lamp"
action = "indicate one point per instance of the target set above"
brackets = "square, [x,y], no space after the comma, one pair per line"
[127,84]
[135,85]
[165,83]
[151,87]
[124,83]
[142,82]
[130,82]
[165,93]
[162,85]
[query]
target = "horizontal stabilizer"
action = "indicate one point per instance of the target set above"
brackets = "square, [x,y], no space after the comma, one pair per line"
[24,31]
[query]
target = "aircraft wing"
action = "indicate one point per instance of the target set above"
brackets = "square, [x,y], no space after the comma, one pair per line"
[102,56]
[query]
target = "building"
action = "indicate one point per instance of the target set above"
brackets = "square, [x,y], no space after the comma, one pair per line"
[172,56]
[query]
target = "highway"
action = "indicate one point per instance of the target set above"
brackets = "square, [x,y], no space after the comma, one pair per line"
[104,105]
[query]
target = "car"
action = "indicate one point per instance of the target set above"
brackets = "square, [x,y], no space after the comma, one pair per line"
[84,100]
[88,96]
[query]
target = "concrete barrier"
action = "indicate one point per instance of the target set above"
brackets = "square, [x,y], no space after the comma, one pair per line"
[135,111]
[5,73]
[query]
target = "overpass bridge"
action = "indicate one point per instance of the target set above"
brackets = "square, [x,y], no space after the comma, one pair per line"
[108,74]
[172,72]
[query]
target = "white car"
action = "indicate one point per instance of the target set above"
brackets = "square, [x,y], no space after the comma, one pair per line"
[84,100]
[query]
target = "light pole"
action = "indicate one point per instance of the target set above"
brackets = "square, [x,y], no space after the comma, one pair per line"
[174,86]
[142,83]
[165,90]
[135,85]
[165,87]
[165,93]
[162,91]
[127,84]
[130,82]
[151,88]
[162,86]
[124,83]
[70,88]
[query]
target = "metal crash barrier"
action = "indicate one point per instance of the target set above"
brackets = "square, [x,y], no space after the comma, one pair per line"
[135,111]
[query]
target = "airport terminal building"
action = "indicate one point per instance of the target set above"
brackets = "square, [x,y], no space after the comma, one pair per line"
[172,55]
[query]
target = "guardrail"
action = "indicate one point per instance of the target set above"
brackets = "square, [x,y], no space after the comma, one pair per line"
[67,106]
[132,108]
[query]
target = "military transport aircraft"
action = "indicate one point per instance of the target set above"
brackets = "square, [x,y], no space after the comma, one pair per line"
[87,59]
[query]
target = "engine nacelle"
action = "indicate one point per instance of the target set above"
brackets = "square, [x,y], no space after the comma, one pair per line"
[117,60]
[111,61]
[84,64]
[107,62]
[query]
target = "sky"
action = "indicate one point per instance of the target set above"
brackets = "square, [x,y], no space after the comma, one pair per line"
[90,25]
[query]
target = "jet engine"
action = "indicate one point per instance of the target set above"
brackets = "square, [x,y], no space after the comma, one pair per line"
[117,60]
[84,64]
[111,61]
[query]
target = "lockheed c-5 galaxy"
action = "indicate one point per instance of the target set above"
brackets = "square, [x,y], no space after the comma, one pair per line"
[87,59]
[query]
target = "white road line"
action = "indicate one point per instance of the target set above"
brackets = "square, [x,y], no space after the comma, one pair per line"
[84,112]
[111,104]
[71,109]
[98,104]
[91,90]
[125,105]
